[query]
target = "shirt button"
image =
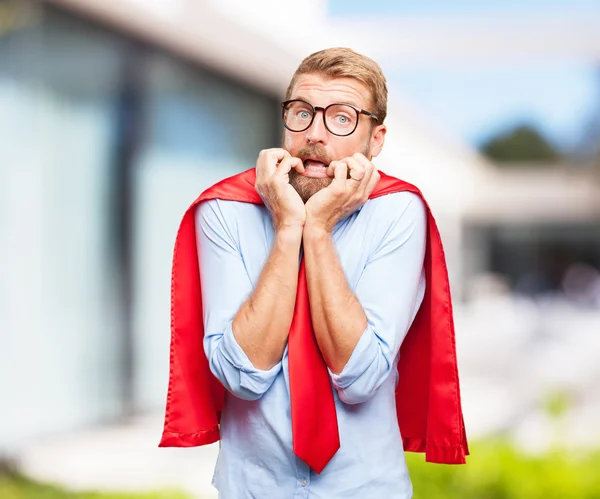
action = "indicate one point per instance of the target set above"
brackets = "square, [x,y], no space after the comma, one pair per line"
[304,482]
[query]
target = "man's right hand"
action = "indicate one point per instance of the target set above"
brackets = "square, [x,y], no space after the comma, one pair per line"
[273,186]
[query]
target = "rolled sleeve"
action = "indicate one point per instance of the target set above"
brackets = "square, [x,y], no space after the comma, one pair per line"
[390,290]
[365,371]
[225,286]
[247,381]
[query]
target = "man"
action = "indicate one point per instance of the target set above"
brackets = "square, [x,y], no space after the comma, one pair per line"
[311,278]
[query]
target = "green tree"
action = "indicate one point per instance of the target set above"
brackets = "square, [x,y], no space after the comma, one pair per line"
[524,143]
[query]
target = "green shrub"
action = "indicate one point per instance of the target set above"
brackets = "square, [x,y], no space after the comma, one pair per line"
[496,470]
[13,486]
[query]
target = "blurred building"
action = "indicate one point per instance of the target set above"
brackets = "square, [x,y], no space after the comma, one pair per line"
[114,116]
[106,137]
[532,224]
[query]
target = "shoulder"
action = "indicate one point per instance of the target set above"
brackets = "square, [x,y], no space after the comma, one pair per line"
[393,219]
[226,209]
[402,207]
[229,215]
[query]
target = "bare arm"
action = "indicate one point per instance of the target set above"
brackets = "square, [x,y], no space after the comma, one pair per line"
[338,318]
[390,291]
[262,324]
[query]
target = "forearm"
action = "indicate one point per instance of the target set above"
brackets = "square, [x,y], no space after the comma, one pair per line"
[337,316]
[262,323]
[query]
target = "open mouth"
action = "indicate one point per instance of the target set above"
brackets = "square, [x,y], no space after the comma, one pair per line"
[315,168]
[314,164]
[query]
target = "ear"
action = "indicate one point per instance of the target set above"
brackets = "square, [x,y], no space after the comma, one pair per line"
[377,139]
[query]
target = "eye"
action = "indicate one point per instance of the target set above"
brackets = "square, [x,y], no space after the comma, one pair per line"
[342,119]
[303,114]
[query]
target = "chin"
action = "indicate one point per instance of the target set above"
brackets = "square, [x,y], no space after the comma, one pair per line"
[306,187]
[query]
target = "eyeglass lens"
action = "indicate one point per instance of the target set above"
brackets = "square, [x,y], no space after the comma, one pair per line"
[340,119]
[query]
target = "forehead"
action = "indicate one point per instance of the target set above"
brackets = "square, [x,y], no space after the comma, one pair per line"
[321,90]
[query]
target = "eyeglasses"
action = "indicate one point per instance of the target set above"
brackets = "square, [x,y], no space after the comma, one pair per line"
[339,119]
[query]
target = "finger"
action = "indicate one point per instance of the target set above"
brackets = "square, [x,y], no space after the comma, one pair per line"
[266,164]
[368,166]
[357,178]
[356,171]
[373,181]
[283,168]
[340,172]
[331,169]
[286,165]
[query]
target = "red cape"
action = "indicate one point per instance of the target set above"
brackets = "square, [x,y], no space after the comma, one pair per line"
[427,396]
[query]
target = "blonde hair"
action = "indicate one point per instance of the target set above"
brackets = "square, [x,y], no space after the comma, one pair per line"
[344,62]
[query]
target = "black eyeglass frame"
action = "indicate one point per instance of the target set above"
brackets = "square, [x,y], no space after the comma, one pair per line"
[315,109]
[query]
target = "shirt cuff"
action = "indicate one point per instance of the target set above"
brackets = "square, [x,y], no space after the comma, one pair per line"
[358,362]
[251,378]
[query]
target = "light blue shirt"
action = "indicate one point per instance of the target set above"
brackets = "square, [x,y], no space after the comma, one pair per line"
[381,249]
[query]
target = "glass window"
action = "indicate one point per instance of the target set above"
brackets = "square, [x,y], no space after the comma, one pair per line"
[60,353]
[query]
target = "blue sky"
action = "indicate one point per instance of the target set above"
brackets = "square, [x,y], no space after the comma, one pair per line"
[458,7]
[558,97]
[475,103]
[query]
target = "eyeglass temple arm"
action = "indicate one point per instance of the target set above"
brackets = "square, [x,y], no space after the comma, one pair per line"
[367,113]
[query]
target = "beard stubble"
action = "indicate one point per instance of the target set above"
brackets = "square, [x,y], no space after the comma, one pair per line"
[306,187]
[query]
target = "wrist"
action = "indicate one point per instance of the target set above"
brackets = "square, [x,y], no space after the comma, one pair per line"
[289,235]
[315,231]
[288,224]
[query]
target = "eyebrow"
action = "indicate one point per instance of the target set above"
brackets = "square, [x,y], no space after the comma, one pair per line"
[337,102]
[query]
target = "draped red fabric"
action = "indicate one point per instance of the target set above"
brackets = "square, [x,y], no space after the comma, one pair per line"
[427,396]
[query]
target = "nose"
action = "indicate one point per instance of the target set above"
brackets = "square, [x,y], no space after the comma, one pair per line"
[317,132]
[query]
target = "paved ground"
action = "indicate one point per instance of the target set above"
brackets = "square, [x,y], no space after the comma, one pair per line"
[124,458]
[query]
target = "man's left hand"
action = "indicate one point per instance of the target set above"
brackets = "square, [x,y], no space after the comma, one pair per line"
[354,179]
